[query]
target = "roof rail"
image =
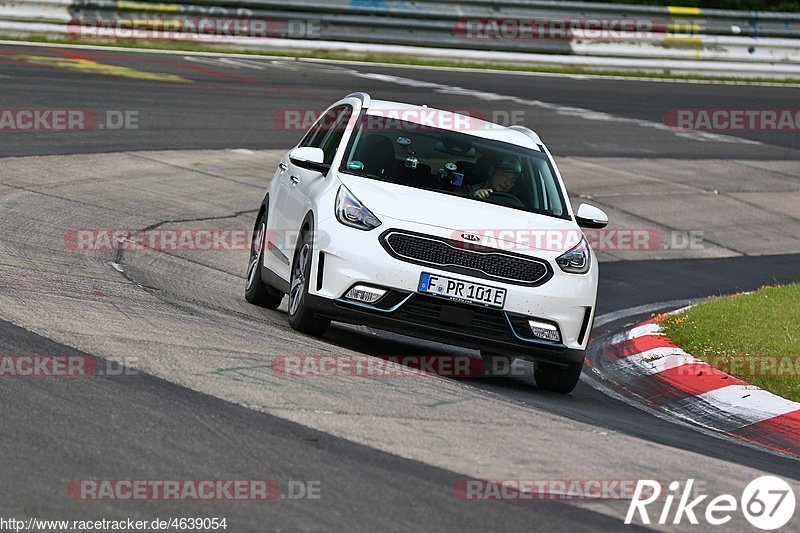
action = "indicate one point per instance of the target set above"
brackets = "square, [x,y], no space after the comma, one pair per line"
[364,97]
[527,131]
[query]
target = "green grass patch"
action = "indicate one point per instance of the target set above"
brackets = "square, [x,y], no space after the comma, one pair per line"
[755,336]
[392,59]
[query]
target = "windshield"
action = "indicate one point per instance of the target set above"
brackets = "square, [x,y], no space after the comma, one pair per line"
[454,163]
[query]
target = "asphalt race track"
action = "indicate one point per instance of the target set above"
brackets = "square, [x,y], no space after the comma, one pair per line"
[387,454]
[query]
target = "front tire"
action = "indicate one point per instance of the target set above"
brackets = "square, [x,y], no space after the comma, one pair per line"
[256,291]
[560,379]
[301,317]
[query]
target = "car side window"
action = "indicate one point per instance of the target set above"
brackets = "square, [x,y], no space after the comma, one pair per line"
[318,131]
[309,136]
[317,134]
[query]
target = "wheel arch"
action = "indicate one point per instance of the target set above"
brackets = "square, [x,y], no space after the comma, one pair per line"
[264,207]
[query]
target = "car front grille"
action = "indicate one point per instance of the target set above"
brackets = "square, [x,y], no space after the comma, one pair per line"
[466,259]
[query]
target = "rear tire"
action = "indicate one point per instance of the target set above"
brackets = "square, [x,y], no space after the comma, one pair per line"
[301,317]
[560,379]
[256,291]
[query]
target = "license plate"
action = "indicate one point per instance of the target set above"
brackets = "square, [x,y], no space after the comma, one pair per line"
[465,291]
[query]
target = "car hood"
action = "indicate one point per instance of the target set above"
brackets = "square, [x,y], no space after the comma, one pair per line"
[464,218]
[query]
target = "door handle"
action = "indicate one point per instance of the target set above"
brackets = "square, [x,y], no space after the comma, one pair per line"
[295,180]
[284,167]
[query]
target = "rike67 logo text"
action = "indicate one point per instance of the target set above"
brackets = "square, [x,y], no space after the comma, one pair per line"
[767,503]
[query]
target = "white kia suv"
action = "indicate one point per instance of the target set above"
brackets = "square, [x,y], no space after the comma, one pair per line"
[432,224]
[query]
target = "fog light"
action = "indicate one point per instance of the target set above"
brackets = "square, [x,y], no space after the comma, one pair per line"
[362,293]
[544,330]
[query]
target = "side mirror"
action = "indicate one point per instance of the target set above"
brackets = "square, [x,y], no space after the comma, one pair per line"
[309,158]
[589,216]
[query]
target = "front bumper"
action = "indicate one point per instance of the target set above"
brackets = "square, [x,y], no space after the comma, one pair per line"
[448,322]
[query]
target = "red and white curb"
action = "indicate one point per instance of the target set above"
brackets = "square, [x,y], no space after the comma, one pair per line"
[646,363]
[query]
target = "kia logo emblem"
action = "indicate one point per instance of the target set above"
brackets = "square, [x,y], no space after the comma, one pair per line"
[470,237]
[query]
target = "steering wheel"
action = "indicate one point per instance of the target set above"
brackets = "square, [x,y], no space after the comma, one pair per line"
[505,199]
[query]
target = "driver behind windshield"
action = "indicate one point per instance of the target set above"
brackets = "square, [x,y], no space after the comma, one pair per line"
[502,178]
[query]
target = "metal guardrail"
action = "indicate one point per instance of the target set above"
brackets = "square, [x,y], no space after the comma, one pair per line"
[702,21]
[686,34]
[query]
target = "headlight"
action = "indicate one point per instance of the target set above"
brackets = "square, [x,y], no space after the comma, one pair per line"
[351,212]
[576,260]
